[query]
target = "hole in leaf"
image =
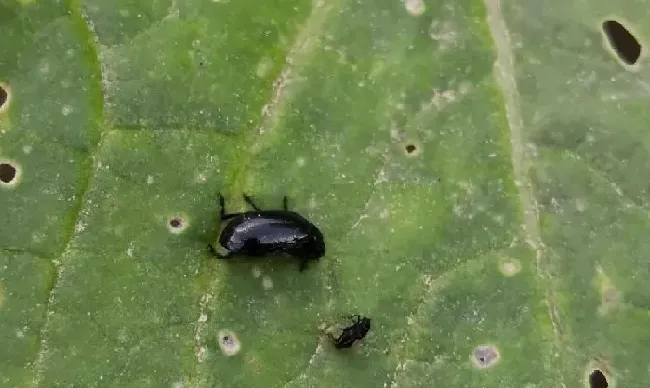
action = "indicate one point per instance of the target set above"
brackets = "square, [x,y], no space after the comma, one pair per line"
[597,380]
[7,173]
[485,356]
[624,43]
[412,149]
[4,96]
[177,224]
[229,343]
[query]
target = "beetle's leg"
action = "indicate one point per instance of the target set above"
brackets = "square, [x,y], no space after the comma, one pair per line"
[212,250]
[284,202]
[303,265]
[229,216]
[250,202]
[222,212]
[222,204]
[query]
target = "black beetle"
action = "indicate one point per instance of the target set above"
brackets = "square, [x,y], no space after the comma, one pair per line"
[264,232]
[356,331]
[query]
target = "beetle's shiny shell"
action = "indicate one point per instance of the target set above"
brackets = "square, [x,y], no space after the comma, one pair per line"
[258,233]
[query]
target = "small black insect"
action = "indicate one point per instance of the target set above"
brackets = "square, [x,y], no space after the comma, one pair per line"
[264,232]
[356,331]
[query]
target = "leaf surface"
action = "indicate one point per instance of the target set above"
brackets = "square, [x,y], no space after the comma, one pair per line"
[477,169]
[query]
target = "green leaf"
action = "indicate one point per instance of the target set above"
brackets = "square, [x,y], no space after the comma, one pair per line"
[477,168]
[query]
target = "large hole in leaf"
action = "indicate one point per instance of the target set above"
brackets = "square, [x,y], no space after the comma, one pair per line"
[597,380]
[624,43]
[4,96]
[7,173]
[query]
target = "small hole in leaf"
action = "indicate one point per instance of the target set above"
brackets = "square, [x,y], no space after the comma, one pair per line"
[597,380]
[624,43]
[229,343]
[8,173]
[177,224]
[485,356]
[411,149]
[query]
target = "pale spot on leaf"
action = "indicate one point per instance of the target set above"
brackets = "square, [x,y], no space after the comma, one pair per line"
[415,7]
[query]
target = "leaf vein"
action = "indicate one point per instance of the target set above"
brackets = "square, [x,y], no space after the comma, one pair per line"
[84,182]
[250,140]
[504,71]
